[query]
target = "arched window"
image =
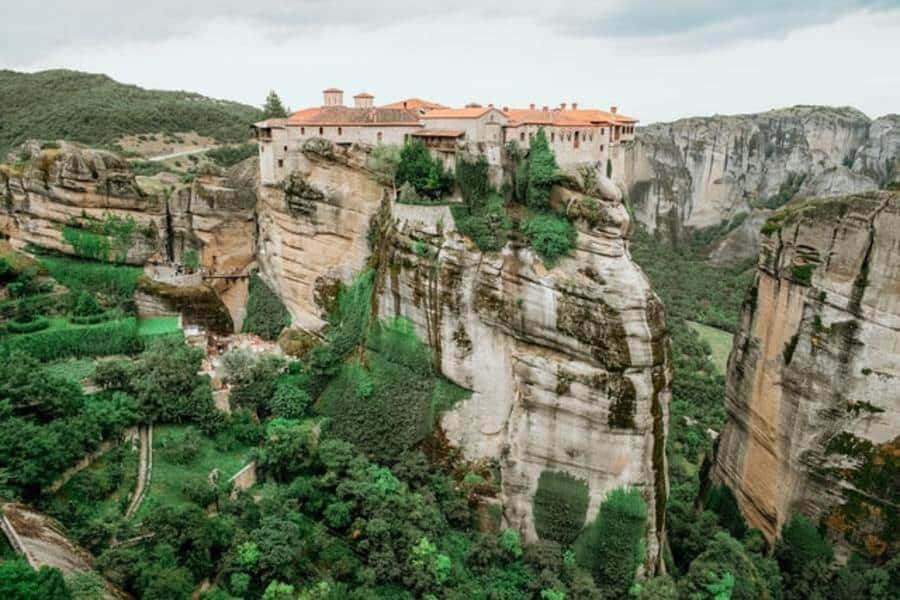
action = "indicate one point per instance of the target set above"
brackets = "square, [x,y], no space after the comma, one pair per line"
[321,130]
[303,131]
[379,137]
[340,131]
[575,143]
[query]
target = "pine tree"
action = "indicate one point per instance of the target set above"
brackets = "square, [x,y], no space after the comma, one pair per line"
[273,108]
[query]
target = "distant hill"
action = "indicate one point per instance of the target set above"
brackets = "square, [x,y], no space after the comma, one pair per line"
[95,109]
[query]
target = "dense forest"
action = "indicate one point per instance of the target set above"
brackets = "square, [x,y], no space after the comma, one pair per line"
[95,109]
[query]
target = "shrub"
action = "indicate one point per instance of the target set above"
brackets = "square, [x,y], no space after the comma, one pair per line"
[115,283]
[551,236]
[539,173]
[86,305]
[724,570]
[488,227]
[426,175]
[721,501]
[91,319]
[289,401]
[113,337]
[473,182]
[612,547]
[266,314]
[560,506]
[181,449]
[36,324]
[227,156]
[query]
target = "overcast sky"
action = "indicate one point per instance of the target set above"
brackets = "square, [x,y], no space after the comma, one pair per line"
[657,60]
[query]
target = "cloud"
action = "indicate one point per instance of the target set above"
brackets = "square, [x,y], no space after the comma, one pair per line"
[707,22]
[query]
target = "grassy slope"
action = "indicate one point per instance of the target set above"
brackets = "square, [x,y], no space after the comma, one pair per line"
[94,109]
[168,478]
[719,341]
[150,326]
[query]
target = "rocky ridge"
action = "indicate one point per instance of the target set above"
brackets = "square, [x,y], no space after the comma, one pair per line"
[703,171]
[812,392]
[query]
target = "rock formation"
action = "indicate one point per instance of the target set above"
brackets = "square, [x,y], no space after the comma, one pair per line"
[49,193]
[702,171]
[569,367]
[813,390]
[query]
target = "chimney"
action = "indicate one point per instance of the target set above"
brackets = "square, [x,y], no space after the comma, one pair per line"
[562,106]
[531,106]
[363,100]
[574,106]
[613,109]
[333,97]
[491,105]
[546,108]
[505,109]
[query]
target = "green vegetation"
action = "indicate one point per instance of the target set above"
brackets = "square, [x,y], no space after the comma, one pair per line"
[424,175]
[612,547]
[551,236]
[228,156]
[94,109]
[63,339]
[73,369]
[537,174]
[175,480]
[266,314]
[719,343]
[273,108]
[18,581]
[560,506]
[787,190]
[156,326]
[113,284]
[108,239]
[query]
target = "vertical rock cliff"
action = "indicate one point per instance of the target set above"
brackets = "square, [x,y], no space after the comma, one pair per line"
[569,367]
[702,171]
[813,390]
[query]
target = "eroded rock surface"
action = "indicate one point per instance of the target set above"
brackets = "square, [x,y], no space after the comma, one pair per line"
[702,171]
[813,390]
[569,367]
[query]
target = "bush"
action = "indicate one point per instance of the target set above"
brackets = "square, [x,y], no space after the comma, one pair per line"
[91,319]
[538,173]
[86,305]
[266,314]
[115,283]
[473,182]
[181,449]
[560,506]
[426,175]
[113,337]
[488,227]
[612,547]
[227,156]
[36,324]
[551,236]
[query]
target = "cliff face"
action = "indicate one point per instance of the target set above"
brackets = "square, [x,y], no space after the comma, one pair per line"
[92,195]
[569,367]
[813,395]
[700,172]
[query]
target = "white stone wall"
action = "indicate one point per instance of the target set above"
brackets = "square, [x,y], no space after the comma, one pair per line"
[593,147]
[351,134]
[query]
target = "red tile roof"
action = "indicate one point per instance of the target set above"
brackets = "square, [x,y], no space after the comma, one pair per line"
[414,103]
[564,118]
[458,113]
[345,115]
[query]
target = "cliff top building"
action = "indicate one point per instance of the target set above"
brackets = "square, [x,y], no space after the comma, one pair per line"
[578,136]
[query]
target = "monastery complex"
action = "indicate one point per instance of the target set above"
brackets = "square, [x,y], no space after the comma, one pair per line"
[578,136]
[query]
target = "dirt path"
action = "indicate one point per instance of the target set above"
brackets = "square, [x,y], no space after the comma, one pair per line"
[180,154]
[145,468]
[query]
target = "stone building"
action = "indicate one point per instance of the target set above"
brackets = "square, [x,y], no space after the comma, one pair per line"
[578,136]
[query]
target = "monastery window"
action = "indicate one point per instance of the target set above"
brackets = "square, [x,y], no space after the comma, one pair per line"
[576,139]
[280,163]
[285,148]
[321,130]
[340,131]
[530,136]
[522,136]
[601,147]
[603,131]
[303,131]
[552,137]
[379,137]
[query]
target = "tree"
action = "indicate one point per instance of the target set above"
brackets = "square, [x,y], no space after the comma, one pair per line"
[273,108]
[612,547]
[542,172]
[804,556]
[425,174]
[19,582]
[724,570]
